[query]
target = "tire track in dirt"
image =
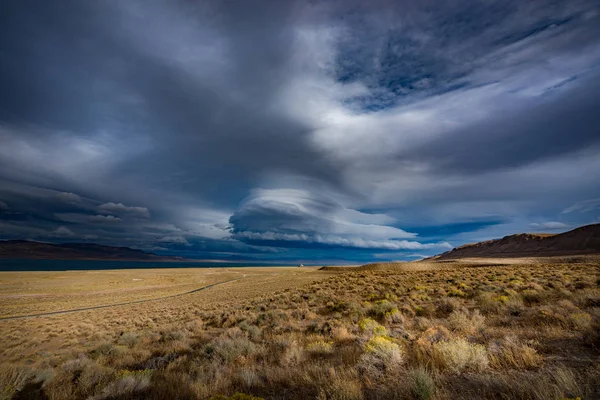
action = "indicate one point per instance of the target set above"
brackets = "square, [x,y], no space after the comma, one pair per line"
[117,304]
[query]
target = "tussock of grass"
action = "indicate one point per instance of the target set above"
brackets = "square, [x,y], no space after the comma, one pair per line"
[510,353]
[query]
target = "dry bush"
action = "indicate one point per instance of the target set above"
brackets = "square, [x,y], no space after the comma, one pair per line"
[580,320]
[129,339]
[126,385]
[462,321]
[292,353]
[434,335]
[342,335]
[247,377]
[78,378]
[341,385]
[457,355]
[228,348]
[446,306]
[252,331]
[12,379]
[510,353]
[381,356]
[531,297]
[172,335]
[319,348]
[491,303]
[108,349]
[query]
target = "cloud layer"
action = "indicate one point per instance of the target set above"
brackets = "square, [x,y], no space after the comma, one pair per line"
[296,130]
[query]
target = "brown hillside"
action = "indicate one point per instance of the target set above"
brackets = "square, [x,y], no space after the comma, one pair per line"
[74,251]
[583,240]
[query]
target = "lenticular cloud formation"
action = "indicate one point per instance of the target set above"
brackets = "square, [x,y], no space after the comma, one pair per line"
[298,218]
[297,130]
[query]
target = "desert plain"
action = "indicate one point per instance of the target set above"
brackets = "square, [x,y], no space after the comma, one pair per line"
[485,328]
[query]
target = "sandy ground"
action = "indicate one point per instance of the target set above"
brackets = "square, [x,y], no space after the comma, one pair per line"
[23,293]
[33,338]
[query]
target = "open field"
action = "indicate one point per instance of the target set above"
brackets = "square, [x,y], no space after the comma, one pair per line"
[23,293]
[429,330]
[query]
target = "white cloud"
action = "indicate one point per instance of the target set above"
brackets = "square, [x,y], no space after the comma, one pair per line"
[296,215]
[332,240]
[583,206]
[549,225]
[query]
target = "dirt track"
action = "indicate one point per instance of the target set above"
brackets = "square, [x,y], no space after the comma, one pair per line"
[118,304]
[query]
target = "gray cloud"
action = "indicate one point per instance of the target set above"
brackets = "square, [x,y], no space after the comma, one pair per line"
[62,231]
[70,198]
[122,209]
[104,218]
[298,129]
[84,218]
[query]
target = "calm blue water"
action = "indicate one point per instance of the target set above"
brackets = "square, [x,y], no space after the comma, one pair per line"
[64,265]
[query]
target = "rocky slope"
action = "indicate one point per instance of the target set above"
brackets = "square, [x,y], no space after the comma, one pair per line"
[580,241]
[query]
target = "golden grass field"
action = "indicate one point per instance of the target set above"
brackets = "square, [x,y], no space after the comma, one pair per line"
[431,330]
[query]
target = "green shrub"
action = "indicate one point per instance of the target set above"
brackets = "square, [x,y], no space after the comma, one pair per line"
[423,386]
[372,327]
[381,308]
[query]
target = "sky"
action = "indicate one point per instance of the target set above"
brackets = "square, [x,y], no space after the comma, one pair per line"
[297,131]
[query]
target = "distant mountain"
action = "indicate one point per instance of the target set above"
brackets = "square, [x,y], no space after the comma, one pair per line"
[75,251]
[580,241]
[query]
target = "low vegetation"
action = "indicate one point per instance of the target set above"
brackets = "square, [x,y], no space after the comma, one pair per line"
[454,332]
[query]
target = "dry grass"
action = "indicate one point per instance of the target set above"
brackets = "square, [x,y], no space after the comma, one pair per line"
[422,331]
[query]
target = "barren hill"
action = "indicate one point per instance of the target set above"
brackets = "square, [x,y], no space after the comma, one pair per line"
[580,241]
[74,251]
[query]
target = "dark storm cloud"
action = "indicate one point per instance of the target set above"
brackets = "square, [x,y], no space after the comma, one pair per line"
[85,68]
[257,130]
[122,209]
